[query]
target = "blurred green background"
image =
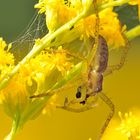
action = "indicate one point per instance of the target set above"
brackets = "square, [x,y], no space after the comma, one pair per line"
[122,86]
[14,17]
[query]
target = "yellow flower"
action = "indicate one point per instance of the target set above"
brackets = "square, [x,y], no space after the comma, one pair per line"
[38,75]
[110,28]
[61,61]
[129,128]
[46,69]
[6,58]
[59,12]
[2,43]
[56,11]
[14,97]
[130,125]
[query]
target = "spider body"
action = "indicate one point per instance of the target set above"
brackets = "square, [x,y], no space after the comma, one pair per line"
[96,69]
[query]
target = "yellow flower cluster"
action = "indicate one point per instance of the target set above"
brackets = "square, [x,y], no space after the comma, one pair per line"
[14,97]
[6,58]
[58,13]
[109,27]
[127,129]
[130,126]
[50,63]
[36,76]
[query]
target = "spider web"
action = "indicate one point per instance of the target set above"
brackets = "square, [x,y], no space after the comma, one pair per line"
[37,29]
[25,41]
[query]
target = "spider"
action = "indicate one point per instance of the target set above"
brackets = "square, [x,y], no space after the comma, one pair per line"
[97,61]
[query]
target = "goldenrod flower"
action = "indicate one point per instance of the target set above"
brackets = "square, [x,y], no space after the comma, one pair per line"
[61,61]
[127,129]
[110,27]
[38,75]
[37,71]
[44,63]
[56,11]
[6,58]
[14,97]
[130,125]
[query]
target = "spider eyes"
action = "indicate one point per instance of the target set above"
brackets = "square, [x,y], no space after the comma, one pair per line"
[83,102]
[78,94]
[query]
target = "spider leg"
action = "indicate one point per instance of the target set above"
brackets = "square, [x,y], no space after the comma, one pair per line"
[87,106]
[110,69]
[76,110]
[110,115]
[67,106]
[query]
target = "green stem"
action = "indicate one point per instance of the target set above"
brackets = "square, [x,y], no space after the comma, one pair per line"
[113,4]
[14,129]
[133,33]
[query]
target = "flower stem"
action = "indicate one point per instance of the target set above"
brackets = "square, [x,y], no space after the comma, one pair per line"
[113,4]
[15,126]
[134,32]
